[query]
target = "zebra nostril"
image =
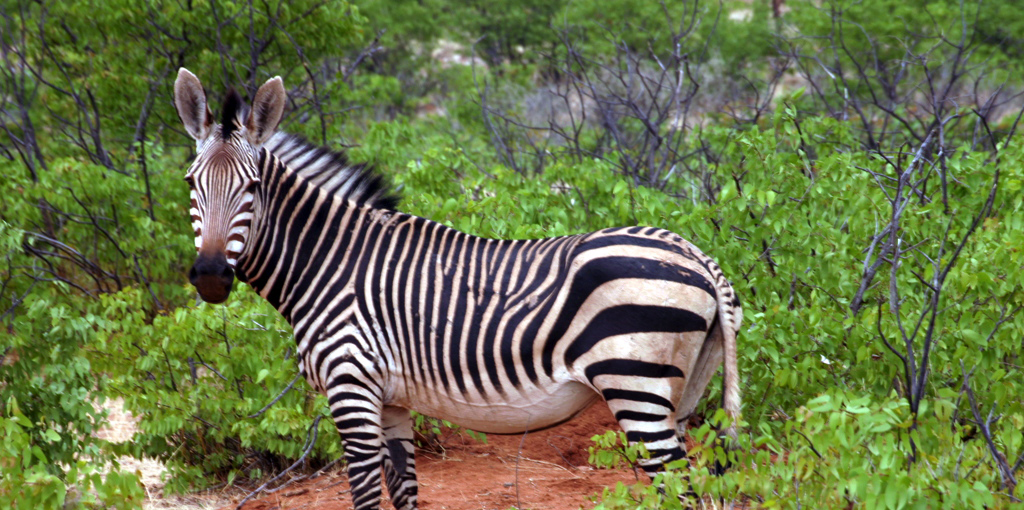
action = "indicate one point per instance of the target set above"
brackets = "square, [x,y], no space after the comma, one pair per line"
[212,277]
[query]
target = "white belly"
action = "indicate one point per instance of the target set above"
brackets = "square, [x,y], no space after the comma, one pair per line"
[517,413]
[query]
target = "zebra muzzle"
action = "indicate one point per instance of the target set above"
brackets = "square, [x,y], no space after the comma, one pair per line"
[212,277]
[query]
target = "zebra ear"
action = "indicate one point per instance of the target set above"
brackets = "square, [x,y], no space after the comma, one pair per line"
[267,110]
[193,110]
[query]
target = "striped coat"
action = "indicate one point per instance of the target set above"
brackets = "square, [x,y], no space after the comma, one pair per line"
[394,312]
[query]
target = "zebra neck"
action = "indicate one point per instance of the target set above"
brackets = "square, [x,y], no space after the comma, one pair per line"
[295,226]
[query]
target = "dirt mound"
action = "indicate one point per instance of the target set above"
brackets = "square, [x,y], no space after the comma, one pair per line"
[546,470]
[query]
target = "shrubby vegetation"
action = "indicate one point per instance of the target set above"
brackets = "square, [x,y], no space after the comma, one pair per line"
[853,166]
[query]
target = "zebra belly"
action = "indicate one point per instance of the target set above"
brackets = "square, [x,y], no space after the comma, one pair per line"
[513,413]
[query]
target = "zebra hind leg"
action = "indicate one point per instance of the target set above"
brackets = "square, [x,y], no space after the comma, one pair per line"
[708,361]
[648,416]
[399,458]
[645,410]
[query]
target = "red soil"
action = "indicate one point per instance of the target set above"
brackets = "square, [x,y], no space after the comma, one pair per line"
[547,470]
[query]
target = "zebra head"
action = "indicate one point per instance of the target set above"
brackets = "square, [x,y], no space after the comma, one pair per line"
[224,177]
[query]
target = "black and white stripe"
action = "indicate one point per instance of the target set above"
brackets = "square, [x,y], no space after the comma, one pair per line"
[395,312]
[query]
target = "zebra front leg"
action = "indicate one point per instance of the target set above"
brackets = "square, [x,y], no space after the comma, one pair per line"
[399,458]
[358,419]
[355,394]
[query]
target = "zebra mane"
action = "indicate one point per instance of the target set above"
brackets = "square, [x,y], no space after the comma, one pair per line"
[231,113]
[331,171]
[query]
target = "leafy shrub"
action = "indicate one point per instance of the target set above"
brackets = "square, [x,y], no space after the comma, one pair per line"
[29,481]
[791,231]
[203,381]
[866,381]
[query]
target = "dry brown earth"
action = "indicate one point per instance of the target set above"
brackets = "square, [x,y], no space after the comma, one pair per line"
[545,470]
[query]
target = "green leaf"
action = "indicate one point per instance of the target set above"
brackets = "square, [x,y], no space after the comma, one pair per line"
[52,435]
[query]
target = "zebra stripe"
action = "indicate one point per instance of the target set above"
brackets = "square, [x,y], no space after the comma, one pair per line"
[393,312]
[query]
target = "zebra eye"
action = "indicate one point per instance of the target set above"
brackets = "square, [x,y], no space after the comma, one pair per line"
[191,182]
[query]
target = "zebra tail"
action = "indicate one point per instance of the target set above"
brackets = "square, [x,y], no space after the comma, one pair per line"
[730,317]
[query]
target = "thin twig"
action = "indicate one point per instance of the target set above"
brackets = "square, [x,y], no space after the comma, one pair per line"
[1005,472]
[278,397]
[310,441]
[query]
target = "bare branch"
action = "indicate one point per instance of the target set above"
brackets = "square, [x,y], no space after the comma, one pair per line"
[985,426]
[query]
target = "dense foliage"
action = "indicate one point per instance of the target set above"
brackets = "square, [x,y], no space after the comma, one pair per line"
[853,166]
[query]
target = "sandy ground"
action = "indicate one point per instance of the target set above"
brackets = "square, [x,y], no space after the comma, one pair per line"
[121,427]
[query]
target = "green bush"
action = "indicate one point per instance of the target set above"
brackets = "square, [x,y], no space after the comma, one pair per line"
[29,482]
[95,240]
[202,380]
[820,391]
[49,393]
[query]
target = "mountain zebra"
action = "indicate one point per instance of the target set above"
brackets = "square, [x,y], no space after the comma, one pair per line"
[394,312]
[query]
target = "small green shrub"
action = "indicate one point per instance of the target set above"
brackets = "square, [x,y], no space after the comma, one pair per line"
[202,380]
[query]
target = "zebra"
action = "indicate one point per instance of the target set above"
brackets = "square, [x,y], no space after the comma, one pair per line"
[393,312]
